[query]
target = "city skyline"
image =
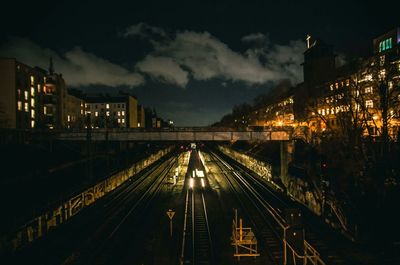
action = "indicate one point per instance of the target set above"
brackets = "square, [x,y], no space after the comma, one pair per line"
[185,63]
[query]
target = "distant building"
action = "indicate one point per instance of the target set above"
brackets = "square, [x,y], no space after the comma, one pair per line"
[112,111]
[364,93]
[32,98]
[21,88]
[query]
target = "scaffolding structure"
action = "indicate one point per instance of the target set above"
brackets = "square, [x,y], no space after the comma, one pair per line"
[243,239]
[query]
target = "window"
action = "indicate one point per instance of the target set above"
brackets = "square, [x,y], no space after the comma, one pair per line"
[119,113]
[32,79]
[382,60]
[32,113]
[38,88]
[32,124]
[119,120]
[32,102]
[123,120]
[108,113]
[119,105]
[32,91]
[45,110]
[369,103]
[323,111]
[385,45]
[26,95]
[107,106]
[26,107]
[19,93]
[122,105]
[19,104]
[123,113]
[368,90]
[68,118]
[96,113]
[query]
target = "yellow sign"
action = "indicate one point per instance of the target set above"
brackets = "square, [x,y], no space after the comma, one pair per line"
[170,214]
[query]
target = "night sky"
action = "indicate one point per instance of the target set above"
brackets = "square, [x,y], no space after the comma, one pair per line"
[191,60]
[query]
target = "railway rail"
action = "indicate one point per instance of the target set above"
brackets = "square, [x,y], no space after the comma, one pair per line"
[266,214]
[125,202]
[197,246]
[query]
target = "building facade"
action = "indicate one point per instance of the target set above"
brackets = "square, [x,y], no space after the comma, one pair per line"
[22,89]
[111,111]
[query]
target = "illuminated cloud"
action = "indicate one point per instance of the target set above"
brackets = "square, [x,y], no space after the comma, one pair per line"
[79,68]
[201,56]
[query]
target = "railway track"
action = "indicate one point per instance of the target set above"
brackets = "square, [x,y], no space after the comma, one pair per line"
[274,201]
[197,247]
[125,202]
[253,207]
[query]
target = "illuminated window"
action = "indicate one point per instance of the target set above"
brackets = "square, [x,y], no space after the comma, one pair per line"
[123,113]
[108,113]
[45,110]
[32,113]
[119,120]
[382,60]
[390,85]
[382,73]
[32,102]
[38,88]
[81,111]
[26,95]
[347,82]
[368,90]
[32,91]
[327,111]
[19,104]
[323,111]
[337,85]
[32,124]
[68,118]
[32,79]
[119,113]
[96,113]
[369,103]
[123,120]
[385,45]
[26,107]
[331,87]
[107,106]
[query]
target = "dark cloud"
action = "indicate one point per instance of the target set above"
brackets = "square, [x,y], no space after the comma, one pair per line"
[201,56]
[79,67]
[143,30]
